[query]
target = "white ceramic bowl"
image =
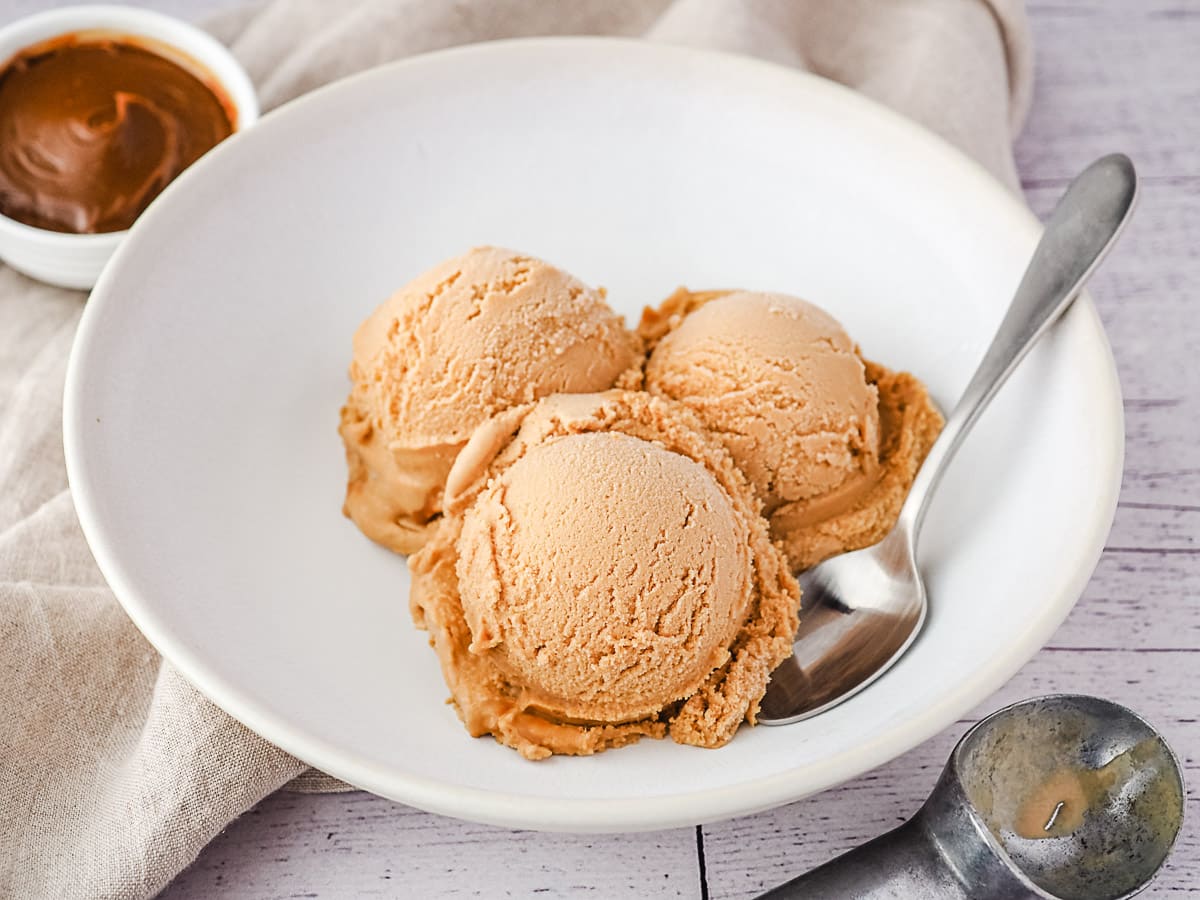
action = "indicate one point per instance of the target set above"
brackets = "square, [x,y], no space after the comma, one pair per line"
[201,406]
[75,260]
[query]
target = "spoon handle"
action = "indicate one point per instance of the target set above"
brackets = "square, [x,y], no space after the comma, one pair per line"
[900,865]
[1077,236]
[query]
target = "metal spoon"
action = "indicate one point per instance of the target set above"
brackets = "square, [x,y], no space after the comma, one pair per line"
[1063,797]
[861,610]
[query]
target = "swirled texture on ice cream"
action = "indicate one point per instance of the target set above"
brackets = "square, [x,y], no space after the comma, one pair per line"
[830,442]
[602,573]
[470,338]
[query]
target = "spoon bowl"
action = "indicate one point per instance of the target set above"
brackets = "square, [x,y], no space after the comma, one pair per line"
[1064,797]
[844,648]
[862,610]
[1084,797]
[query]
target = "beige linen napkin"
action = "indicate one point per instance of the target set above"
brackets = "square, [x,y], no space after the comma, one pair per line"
[114,772]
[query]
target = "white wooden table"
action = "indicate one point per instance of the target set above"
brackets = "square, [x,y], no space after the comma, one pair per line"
[1112,75]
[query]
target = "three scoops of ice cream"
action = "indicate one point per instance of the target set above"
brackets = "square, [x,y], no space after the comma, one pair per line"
[604,523]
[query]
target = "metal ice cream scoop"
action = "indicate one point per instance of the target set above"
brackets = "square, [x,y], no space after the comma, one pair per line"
[1066,797]
[861,611]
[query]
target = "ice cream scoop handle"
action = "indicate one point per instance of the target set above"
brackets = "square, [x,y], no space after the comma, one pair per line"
[899,865]
[1077,236]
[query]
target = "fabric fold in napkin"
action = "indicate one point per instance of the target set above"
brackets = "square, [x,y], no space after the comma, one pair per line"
[114,772]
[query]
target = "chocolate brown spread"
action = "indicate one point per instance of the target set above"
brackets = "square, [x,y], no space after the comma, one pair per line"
[92,130]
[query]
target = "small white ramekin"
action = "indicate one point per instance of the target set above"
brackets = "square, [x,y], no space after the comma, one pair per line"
[75,260]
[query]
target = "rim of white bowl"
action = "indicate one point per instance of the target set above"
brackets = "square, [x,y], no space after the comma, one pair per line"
[622,814]
[216,59]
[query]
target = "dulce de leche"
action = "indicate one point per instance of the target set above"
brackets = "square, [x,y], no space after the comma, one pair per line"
[92,130]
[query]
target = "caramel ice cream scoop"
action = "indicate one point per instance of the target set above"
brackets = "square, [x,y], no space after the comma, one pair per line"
[784,386]
[602,573]
[829,441]
[472,337]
